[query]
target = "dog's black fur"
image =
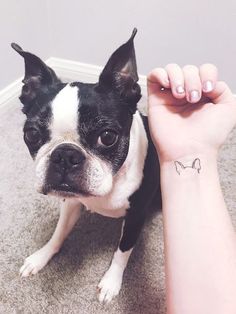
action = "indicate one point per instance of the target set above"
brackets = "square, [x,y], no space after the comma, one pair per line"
[107,105]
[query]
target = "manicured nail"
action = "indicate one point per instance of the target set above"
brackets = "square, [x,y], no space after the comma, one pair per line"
[180,89]
[194,96]
[207,86]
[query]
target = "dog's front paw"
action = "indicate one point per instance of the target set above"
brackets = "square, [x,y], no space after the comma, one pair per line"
[110,285]
[35,262]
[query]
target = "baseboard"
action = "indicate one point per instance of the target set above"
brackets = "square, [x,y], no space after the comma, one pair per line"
[9,94]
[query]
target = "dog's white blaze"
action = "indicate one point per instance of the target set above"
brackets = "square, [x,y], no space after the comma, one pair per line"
[65,113]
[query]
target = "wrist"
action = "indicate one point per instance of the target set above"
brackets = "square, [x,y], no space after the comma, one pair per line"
[208,156]
[189,180]
[175,149]
[190,167]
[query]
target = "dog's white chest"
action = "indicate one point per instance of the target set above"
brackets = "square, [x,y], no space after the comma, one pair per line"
[116,202]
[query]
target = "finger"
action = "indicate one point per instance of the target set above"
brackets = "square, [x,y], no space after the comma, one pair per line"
[157,79]
[159,76]
[208,74]
[176,78]
[193,85]
[221,93]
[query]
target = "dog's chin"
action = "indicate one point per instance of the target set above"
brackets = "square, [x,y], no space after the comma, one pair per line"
[64,191]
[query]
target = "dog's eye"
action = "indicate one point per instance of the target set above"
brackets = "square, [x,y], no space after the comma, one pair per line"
[108,138]
[32,136]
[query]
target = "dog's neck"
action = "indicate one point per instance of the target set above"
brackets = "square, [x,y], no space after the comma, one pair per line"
[128,178]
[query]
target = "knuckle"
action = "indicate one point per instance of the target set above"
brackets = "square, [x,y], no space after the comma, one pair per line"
[190,68]
[159,71]
[171,66]
[155,72]
[208,67]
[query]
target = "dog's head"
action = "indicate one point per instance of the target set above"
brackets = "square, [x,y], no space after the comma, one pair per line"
[77,133]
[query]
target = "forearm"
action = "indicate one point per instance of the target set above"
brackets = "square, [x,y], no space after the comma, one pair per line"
[200,243]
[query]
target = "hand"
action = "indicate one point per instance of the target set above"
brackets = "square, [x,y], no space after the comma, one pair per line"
[190,111]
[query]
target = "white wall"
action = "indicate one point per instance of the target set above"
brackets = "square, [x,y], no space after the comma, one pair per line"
[88,31]
[24,22]
[179,31]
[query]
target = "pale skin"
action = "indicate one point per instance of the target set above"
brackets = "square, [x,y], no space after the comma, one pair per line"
[189,120]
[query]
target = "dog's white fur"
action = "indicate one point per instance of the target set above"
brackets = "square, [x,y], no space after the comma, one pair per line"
[69,214]
[111,282]
[113,192]
[65,113]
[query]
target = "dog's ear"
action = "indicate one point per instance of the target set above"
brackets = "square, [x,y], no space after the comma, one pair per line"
[120,72]
[38,76]
[196,165]
[179,167]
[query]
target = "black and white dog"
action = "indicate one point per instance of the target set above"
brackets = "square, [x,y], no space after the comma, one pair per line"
[91,147]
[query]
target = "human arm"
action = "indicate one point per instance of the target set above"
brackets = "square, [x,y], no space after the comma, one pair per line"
[200,243]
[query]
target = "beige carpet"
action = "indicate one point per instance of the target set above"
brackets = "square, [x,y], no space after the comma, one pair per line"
[68,283]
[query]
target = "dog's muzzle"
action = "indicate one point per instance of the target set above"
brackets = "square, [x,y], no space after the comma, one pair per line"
[65,164]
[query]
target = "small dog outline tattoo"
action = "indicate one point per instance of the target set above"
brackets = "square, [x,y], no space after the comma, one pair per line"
[196,164]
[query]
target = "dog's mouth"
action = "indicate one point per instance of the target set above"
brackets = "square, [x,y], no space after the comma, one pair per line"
[64,190]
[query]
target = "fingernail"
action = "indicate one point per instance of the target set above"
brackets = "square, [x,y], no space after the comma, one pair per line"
[180,89]
[207,86]
[194,96]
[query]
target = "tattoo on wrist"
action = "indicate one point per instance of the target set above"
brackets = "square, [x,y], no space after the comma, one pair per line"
[196,165]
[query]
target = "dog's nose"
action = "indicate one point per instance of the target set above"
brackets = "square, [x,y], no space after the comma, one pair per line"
[67,155]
